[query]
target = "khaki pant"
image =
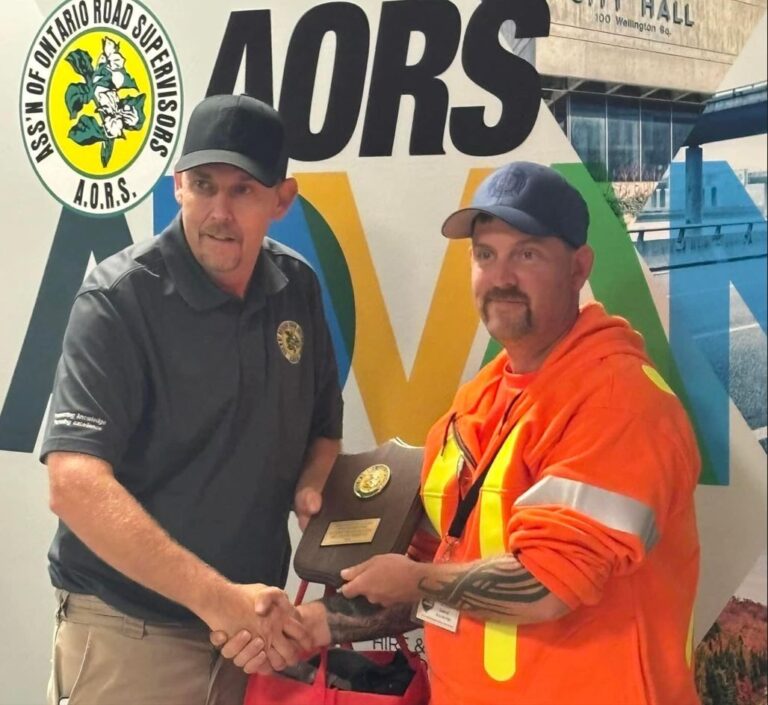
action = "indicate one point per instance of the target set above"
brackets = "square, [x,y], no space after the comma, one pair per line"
[103,657]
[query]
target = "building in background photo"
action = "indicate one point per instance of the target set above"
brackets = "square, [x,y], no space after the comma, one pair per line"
[628,79]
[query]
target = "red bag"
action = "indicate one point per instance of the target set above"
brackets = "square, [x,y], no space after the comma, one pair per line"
[281,690]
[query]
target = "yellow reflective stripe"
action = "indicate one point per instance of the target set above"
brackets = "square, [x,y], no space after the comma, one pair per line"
[657,379]
[440,474]
[499,640]
[500,650]
[689,643]
[491,524]
[491,510]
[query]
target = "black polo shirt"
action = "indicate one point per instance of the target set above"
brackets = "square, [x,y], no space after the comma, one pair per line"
[204,405]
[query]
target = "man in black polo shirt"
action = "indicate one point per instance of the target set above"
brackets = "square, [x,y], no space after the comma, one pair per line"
[196,400]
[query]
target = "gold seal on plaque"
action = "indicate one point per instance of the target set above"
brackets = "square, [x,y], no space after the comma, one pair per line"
[372,481]
[290,338]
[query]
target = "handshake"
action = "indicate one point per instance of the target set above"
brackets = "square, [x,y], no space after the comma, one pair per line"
[258,628]
[261,631]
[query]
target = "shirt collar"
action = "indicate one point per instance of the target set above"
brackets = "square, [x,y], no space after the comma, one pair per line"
[198,289]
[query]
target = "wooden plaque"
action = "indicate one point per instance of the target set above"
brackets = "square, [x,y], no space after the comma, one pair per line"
[371,505]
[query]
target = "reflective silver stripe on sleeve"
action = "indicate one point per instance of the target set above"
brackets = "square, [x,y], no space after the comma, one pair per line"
[612,509]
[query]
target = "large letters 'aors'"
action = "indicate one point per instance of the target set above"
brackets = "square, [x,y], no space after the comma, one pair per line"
[485,60]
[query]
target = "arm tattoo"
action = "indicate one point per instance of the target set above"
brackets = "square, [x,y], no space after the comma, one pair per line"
[359,620]
[493,586]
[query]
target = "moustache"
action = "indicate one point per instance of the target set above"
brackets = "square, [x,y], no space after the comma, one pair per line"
[512,294]
[220,231]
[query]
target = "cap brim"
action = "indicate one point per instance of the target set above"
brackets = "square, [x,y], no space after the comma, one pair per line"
[223,156]
[459,224]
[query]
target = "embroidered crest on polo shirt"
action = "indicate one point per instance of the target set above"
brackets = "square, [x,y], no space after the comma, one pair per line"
[290,338]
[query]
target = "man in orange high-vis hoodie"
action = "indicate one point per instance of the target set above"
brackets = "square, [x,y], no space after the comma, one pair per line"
[560,483]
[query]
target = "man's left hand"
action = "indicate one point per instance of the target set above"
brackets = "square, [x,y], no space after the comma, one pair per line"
[306,504]
[386,579]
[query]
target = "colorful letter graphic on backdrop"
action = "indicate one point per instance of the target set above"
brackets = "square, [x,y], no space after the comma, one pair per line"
[325,227]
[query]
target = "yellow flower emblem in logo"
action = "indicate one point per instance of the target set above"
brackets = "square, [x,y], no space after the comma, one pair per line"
[290,338]
[100,105]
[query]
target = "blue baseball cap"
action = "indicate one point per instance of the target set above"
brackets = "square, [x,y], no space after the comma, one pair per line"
[533,198]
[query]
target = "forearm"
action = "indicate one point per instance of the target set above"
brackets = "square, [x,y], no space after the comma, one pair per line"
[111,522]
[319,458]
[498,589]
[336,619]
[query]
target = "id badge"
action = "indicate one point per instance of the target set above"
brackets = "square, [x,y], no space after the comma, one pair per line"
[438,614]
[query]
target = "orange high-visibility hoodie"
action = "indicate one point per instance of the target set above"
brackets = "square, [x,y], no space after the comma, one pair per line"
[593,469]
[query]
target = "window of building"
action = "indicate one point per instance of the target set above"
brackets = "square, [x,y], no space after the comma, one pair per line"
[656,140]
[623,139]
[588,132]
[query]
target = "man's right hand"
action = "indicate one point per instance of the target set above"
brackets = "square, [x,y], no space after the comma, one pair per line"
[265,629]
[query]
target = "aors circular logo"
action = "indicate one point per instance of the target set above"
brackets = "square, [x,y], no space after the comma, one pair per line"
[101,104]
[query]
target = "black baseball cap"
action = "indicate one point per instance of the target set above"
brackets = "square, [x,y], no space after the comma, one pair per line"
[238,130]
[530,197]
